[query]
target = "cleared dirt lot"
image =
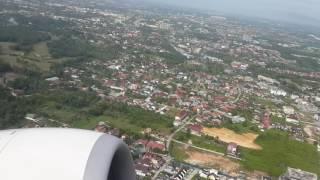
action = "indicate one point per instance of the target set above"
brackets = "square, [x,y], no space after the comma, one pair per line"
[213,161]
[228,136]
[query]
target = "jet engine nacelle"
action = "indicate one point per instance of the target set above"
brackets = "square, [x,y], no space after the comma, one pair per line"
[63,154]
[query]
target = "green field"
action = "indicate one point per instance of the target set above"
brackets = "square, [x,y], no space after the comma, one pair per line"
[84,110]
[265,102]
[280,152]
[128,122]
[38,59]
[178,152]
[203,142]
[118,122]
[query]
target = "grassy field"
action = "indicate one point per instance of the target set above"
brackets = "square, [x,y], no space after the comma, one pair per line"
[203,142]
[172,112]
[84,110]
[279,152]
[265,102]
[78,118]
[118,122]
[124,123]
[178,152]
[39,59]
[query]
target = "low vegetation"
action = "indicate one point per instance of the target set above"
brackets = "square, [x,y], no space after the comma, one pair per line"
[23,36]
[205,142]
[178,152]
[127,118]
[13,109]
[279,152]
[85,110]
[73,47]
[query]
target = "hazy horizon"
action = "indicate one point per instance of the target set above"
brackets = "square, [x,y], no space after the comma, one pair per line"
[305,12]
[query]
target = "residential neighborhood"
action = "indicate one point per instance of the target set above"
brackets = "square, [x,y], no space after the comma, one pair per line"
[194,95]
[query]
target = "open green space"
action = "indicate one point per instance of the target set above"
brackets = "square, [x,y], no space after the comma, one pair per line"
[205,142]
[265,102]
[279,152]
[178,152]
[13,109]
[37,58]
[129,119]
[81,110]
[84,110]
[75,47]
[244,127]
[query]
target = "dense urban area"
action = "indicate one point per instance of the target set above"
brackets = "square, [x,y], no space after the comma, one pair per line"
[194,95]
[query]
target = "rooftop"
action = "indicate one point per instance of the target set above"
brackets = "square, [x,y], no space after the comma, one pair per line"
[298,174]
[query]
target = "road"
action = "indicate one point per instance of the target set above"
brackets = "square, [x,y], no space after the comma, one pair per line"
[234,101]
[162,168]
[205,150]
[168,145]
[239,95]
[199,148]
[170,139]
[177,130]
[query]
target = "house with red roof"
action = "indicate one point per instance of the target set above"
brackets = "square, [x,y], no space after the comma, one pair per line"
[153,145]
[195,129]
[266,120]
[182,115]
[232,149]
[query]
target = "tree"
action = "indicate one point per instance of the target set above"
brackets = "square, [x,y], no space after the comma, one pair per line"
[4,67]
[188,133]
[12,114]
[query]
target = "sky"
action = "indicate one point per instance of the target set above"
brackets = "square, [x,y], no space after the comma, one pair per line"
[295,11]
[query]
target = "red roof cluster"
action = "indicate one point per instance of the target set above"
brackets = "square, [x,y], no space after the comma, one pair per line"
[195,127]
[182,114]
[152,145]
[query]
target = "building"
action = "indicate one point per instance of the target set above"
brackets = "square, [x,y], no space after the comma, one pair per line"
[237,119]
[268,80]
[288,110]
[232,149]
[298,174]
[180,175]
[278,92]
[211,174]
[239,65]
[317,117]
[291,120]
[101,127]
[266,120]
[152,145]
[195,129]
[142,170]
[182,115]
[53,79]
